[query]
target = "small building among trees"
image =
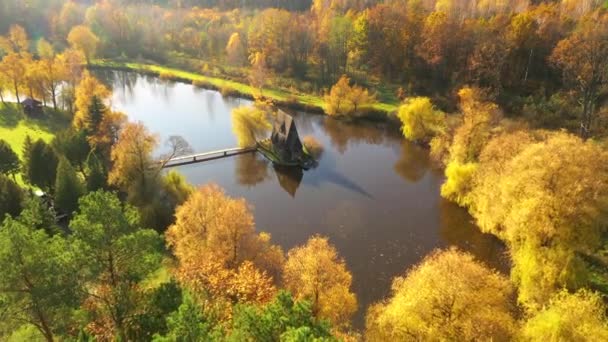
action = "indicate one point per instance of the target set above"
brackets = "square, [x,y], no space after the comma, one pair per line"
[31,107]
[285,139]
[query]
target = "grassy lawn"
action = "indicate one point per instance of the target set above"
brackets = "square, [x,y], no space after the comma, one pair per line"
[15,126]
[279,95]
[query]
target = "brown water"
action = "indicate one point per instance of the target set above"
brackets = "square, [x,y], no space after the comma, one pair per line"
[373,194]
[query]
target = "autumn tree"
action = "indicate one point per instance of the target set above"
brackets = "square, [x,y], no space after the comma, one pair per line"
[52,70]
[448,296]
[469,137]
[344,99]
[212,225]
[40,283]
[235,50]
[83,39]
[579,316]
[14,70]
[552,200]
[133,169]
[582,58]
[250,123]
[9,161]
[121,254]
[259,72]
[68,187]
[420,119]
[315,272]
[16,41]
[87,89]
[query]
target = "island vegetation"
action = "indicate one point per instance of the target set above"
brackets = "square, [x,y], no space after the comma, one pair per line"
[97,243]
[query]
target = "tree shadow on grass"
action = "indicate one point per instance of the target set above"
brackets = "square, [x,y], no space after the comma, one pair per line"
[51,120]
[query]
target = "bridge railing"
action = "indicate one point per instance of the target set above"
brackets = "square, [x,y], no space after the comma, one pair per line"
[200,157]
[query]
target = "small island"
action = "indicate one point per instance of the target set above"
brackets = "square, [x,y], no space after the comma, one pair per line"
[284,146]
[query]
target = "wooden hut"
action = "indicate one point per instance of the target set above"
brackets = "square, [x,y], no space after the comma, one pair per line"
[31,107]
[285,139]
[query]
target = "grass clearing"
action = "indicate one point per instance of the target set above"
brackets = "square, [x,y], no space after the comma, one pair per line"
[15,126]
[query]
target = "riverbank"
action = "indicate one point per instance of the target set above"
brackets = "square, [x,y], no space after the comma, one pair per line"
[281,97]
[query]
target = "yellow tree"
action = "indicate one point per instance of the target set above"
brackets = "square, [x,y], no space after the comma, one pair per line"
[344,99]
[553,197]
[478,119]
[420,120]
[315,272]
[16,41]
[235,50]
[569,317]
[249,123]
[259,72]
[53,70]
[14,70]
[222,229]
[582,58]
[448,297]
[132,160]
[83,39]
[488,208]
[71,60]
[87,88]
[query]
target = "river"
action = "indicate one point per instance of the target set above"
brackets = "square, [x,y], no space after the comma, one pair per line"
[375,195]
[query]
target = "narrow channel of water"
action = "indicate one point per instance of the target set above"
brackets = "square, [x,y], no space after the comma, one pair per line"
[373,194]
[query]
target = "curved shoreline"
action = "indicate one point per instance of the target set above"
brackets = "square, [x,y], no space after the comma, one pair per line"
[298,102]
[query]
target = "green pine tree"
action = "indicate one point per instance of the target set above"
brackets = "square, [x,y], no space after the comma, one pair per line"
[97,176]
[9,161]
[96,113]
[68,187]
[11,198]
[40,165]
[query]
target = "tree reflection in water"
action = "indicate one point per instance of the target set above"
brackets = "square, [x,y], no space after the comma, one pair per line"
[343,134]
[413,163]
[289,178]
[251,169]
[457,228]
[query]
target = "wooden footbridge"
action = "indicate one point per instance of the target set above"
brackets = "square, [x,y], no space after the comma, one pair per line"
[207,156]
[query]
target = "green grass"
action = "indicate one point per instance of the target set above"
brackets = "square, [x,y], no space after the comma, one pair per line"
[15,126]
[279,95]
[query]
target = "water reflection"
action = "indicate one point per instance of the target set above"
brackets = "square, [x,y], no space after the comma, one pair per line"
[458,229]
[413,162]
[289,178]
[251,169]
[342,135]
[373,194]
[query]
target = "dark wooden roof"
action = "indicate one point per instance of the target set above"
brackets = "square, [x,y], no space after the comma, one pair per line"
[31,102]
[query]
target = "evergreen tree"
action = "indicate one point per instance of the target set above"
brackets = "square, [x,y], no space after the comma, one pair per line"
[74,146]
[41,165]
[96,113]
[39,283]
[280,320]
[11,198]
[9,161]
[97,177]
[68,187]
[25,153]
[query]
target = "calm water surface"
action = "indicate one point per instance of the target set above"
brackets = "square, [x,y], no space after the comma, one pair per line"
[373,194]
